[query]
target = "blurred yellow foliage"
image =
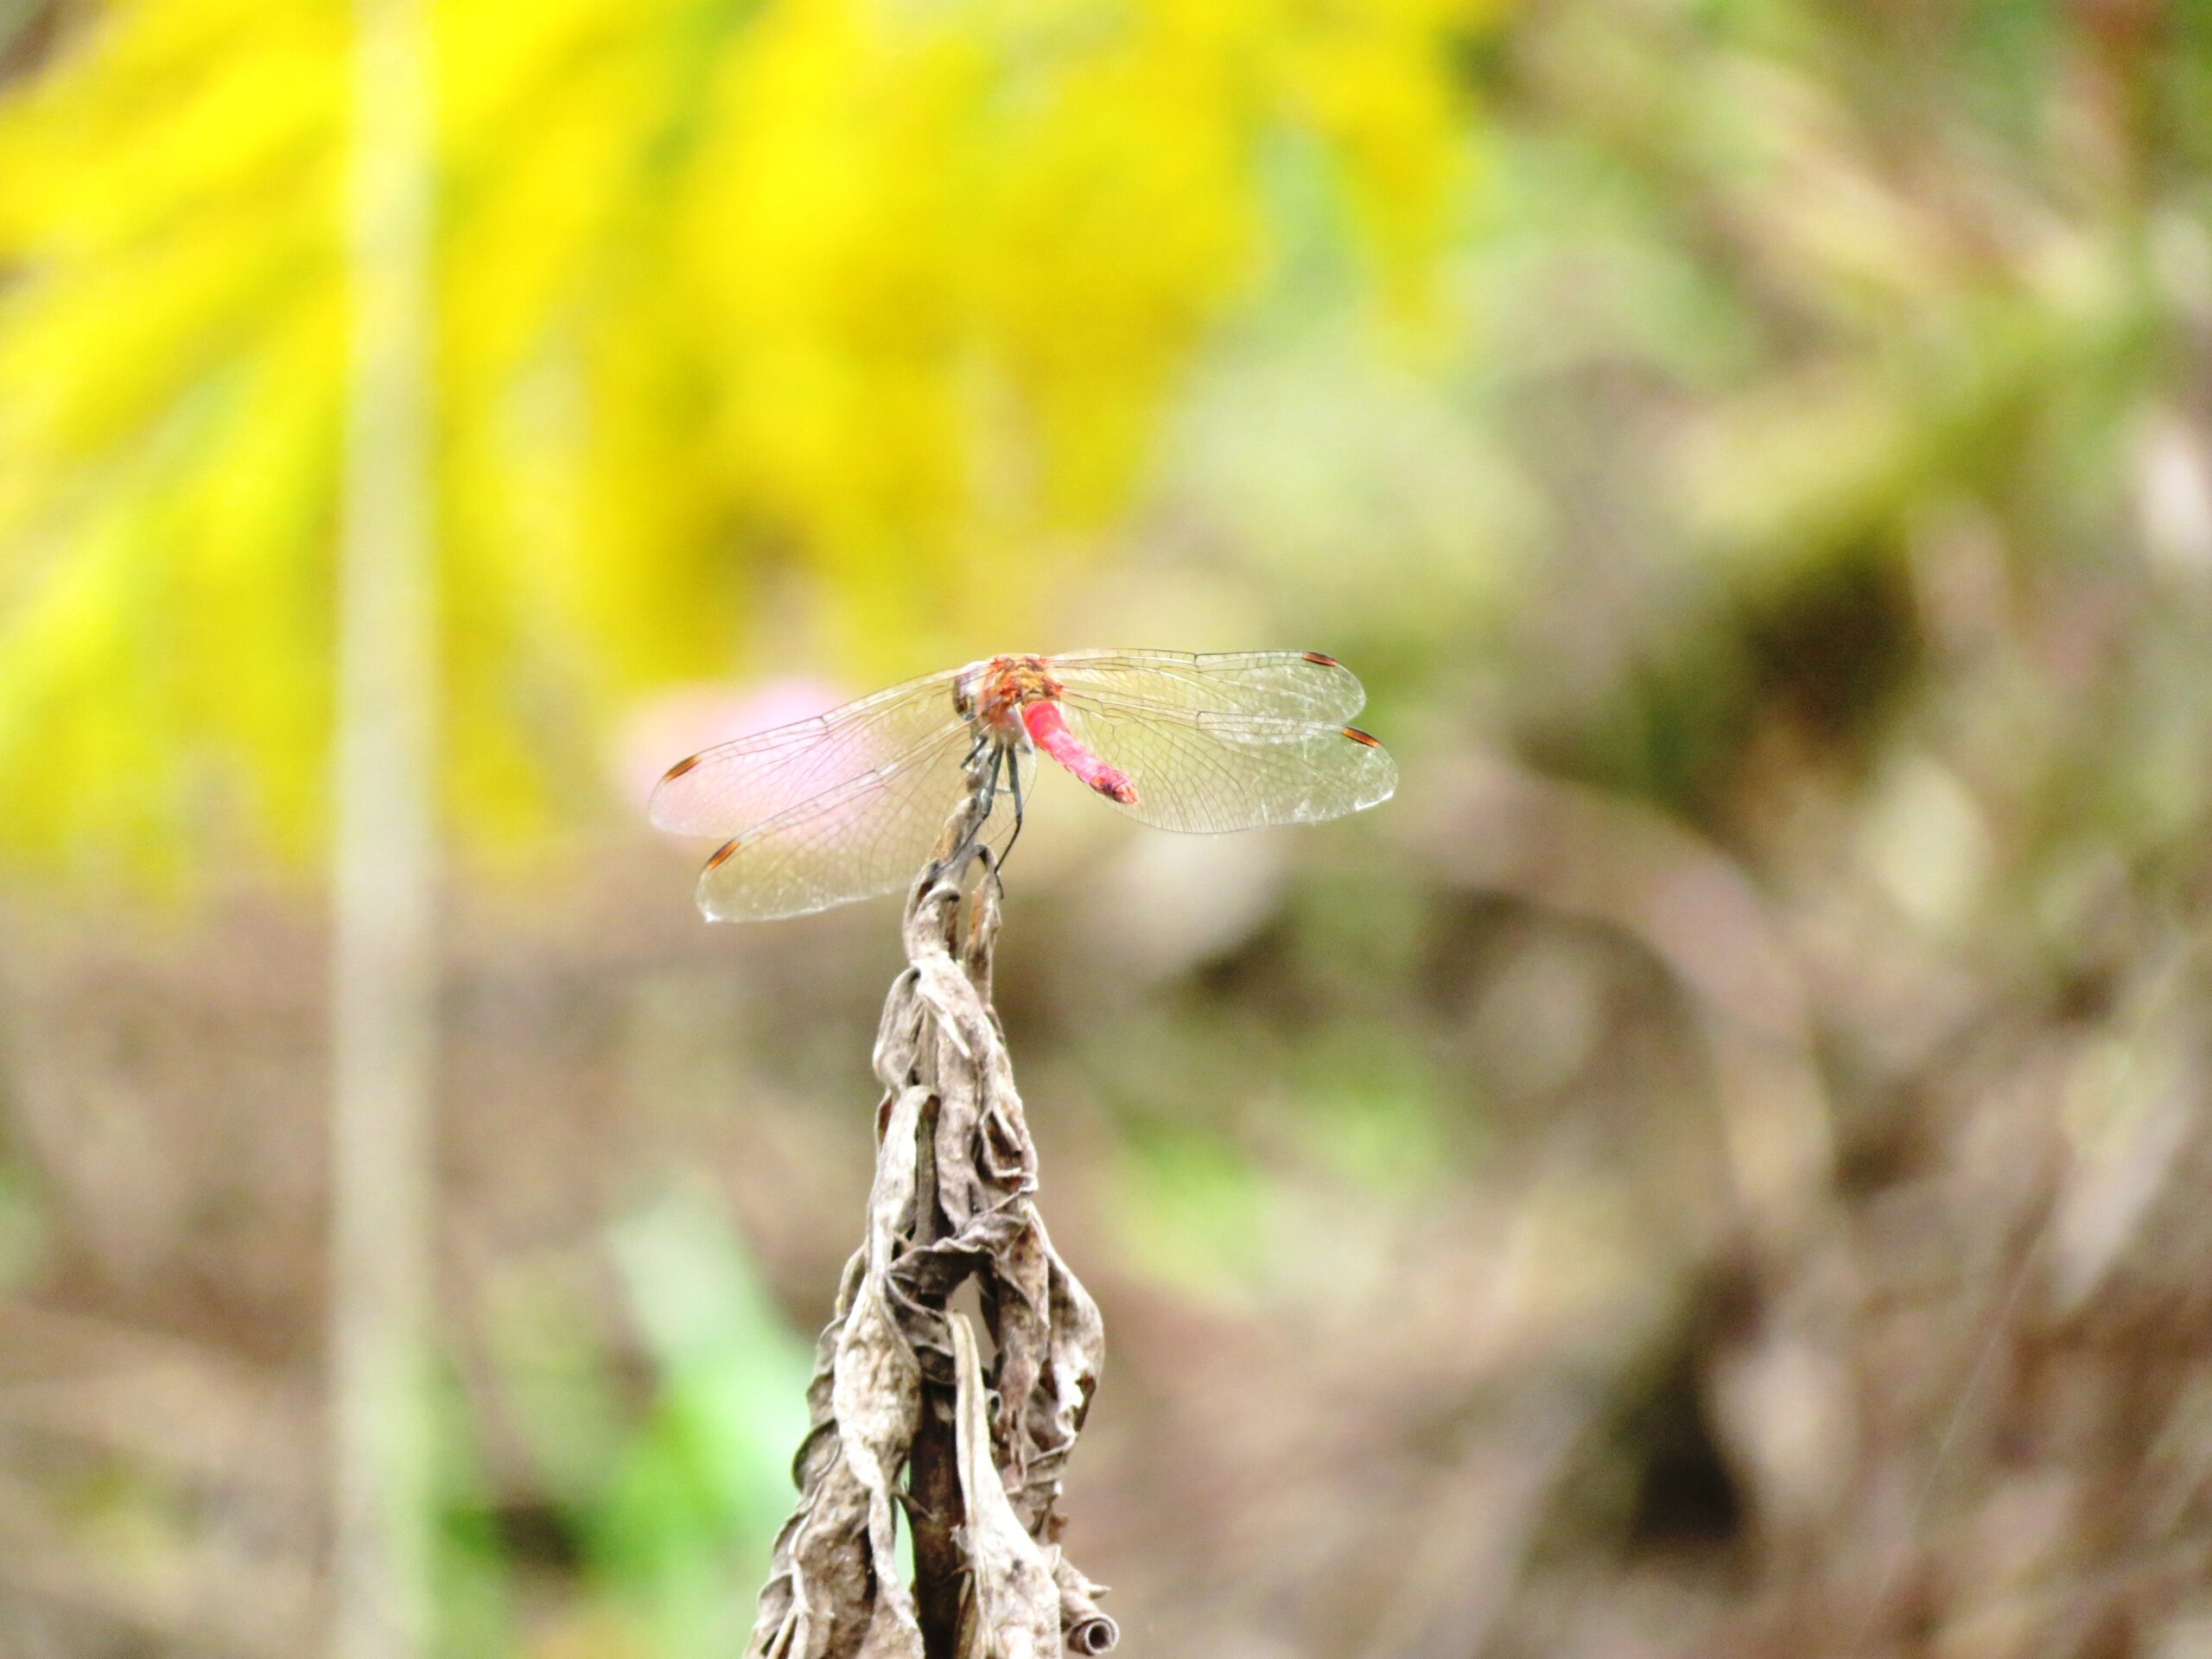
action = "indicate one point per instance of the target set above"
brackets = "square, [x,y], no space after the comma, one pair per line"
[887,292]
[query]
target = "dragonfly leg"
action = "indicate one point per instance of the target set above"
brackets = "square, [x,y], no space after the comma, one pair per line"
[983,786]
[990,790]
[1010,759]
[1013,777]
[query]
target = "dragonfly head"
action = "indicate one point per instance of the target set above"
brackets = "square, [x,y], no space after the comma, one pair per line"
[966,689]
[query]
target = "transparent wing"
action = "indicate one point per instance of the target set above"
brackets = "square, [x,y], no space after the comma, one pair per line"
[1269,684]
[1204,771]
[868,836]
[732,786]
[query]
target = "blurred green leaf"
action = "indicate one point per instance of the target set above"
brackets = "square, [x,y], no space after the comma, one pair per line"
[684,1529]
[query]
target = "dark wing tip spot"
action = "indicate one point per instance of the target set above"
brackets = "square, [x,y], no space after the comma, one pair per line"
[722,855]
[1358,736]
[1326,661]
[679,769]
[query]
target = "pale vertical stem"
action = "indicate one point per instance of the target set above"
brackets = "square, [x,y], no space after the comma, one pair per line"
[384,977]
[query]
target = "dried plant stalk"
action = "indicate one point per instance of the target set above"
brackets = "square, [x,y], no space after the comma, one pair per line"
[900,1384]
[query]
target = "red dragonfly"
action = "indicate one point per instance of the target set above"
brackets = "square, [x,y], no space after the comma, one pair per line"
[850,804]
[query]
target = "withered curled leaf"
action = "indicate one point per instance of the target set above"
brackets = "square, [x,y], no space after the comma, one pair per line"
[900,1392]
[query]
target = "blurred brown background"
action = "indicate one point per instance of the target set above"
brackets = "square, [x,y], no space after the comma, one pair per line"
[1712,1167]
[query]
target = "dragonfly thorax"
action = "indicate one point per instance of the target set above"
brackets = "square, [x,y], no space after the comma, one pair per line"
[993,693]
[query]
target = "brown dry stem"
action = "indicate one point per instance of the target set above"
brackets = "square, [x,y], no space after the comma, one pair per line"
[901,1383]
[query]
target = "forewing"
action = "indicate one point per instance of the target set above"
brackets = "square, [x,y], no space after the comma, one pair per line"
[1207,771]
[728,789]
[870,835]
[1266,684]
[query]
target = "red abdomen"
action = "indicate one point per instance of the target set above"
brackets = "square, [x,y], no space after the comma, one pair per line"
[1049,729]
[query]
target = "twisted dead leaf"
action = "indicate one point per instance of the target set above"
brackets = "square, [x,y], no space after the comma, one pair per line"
[900,1388]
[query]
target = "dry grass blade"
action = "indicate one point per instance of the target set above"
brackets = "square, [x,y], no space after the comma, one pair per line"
[899,1385]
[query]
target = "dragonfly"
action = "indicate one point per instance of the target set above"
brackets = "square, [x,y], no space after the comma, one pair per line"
[850,804]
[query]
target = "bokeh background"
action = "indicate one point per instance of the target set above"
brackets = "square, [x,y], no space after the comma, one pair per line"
[1713,1168]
